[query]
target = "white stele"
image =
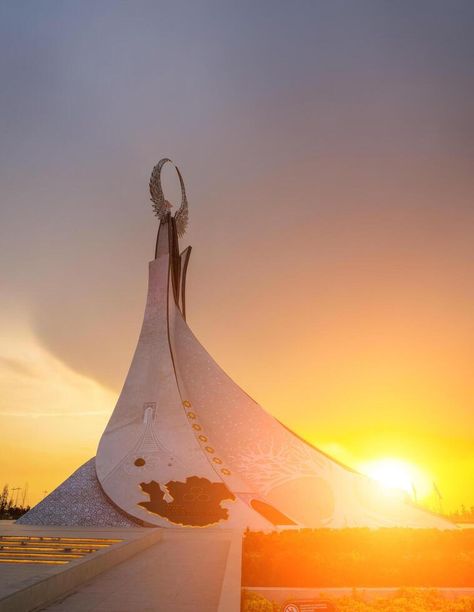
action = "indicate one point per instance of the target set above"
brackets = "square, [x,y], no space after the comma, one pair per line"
[186,446]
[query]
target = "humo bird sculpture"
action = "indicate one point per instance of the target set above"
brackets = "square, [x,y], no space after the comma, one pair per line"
[161,206]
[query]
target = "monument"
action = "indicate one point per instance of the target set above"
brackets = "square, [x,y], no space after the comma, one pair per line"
[186,447]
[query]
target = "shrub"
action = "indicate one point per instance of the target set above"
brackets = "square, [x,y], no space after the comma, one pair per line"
[359,558]
[404,600]
[253,602]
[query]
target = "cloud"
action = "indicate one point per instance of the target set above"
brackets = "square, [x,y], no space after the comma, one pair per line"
[36,384]
[35,415]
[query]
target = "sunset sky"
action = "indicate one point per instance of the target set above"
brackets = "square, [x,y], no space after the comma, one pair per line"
[327,148]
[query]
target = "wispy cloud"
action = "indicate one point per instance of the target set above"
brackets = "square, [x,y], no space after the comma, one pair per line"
[35,384]
[35,415]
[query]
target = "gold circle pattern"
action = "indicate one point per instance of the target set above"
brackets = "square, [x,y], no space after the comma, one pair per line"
[203,438]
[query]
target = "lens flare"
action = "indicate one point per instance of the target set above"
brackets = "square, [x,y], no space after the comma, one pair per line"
[399,475]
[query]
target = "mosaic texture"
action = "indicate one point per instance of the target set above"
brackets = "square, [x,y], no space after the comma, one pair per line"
[78,501]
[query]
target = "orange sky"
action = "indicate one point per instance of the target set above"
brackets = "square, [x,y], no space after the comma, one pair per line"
[328,160]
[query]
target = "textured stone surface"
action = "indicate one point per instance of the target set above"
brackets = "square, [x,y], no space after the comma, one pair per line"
[78,501]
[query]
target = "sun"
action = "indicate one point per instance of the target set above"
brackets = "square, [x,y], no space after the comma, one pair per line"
[399,475]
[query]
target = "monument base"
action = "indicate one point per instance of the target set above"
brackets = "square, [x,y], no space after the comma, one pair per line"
[78,502]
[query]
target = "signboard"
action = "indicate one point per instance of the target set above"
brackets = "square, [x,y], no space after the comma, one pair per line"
[308,605]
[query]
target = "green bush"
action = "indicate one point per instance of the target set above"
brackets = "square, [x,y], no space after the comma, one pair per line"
[252,602]
[359,558]
[404,600]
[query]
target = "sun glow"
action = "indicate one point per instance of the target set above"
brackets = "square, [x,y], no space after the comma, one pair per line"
[397,474]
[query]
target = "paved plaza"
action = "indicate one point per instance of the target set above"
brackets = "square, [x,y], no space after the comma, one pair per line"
[119,569]
[185,571]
